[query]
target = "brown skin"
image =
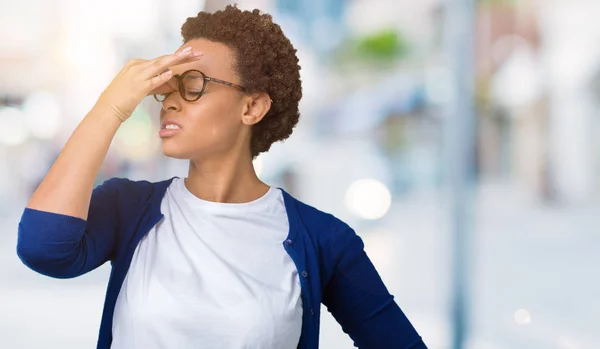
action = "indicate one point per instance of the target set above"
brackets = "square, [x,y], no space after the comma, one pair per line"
[216,129]
[67,187]
[266,63]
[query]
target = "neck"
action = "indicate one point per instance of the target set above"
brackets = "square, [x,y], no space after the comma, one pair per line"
[230,178]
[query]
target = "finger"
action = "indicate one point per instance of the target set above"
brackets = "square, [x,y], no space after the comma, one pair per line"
[144,63]
[168,86]
[160,64]
[135,61]
[180,52]
[159,79]
[196,56]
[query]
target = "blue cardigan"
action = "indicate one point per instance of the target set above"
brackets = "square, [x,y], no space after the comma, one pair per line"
[332,265]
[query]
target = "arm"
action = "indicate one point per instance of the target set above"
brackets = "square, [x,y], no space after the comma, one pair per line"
[53,237]
[67,227]
[360,302]
[67,187]
[64,246]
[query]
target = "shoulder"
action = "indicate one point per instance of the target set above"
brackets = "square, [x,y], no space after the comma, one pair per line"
[313,217]
[323,226]
[133,191]
[336,244]
[130,184]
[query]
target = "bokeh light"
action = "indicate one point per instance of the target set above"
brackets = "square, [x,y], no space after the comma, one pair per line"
[42,115]
[368,198]
[14,131]
[136,140]
[522,317]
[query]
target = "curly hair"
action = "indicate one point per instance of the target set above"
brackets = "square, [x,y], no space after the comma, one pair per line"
[264,59]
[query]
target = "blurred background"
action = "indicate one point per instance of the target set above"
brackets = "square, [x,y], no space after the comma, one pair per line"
[459,138]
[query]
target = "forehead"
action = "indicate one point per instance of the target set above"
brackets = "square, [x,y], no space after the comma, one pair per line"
[217,61]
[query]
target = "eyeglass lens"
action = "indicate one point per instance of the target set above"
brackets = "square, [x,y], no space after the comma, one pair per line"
[191,86]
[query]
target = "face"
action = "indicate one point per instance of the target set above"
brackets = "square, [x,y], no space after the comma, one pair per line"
[215,123]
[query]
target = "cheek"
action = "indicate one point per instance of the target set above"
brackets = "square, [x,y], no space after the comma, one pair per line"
[212,122]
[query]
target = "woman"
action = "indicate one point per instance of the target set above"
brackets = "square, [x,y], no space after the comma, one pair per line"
[218,259]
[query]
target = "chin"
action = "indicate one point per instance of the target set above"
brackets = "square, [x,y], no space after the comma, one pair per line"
[172,151]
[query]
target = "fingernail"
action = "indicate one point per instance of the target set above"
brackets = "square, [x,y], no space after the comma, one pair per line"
[197,54]
[185,51]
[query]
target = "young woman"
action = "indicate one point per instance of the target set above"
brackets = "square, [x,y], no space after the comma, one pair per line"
[218,259]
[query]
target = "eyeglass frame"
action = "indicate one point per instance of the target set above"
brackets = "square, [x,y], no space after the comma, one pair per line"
[206,79]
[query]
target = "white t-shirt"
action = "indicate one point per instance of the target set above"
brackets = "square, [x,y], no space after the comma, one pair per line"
[211,275]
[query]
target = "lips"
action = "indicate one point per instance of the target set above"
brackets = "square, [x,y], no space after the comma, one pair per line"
[165,132]
[169,122]
[169,128]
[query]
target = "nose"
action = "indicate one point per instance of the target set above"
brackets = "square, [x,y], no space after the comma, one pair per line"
[171,103]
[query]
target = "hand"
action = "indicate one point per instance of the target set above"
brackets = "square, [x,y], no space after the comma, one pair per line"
[138,78]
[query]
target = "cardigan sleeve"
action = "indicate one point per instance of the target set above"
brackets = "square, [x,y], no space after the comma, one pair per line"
[359,301]
[63,246]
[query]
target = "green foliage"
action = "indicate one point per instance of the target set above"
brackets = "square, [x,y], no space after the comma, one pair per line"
[383,45]
[380,50]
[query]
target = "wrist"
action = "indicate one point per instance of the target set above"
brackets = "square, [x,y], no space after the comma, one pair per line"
[112,111]
[109,113]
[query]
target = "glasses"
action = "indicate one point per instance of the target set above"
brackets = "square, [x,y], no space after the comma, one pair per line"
[191,85]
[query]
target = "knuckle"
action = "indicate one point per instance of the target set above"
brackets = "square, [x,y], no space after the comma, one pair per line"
[154,80]
[132,64]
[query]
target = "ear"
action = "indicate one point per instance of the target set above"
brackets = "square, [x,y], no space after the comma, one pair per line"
[256,107]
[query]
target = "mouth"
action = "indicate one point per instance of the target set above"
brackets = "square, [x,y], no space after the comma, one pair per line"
[169,129]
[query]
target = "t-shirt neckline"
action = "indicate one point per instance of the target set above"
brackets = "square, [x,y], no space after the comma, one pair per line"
[257,204]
